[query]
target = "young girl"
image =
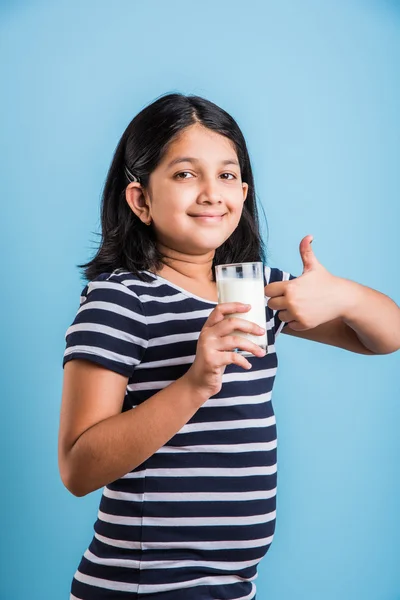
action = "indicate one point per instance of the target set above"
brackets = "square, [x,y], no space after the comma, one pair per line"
[189,476]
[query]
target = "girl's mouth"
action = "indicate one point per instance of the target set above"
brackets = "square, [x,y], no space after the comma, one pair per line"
[209,219]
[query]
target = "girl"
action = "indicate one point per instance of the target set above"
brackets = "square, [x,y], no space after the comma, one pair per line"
[189,476]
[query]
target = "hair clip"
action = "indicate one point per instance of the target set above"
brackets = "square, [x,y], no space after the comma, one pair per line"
[130,175]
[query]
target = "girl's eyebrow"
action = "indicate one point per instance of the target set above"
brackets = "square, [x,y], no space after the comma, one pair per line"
[228,161]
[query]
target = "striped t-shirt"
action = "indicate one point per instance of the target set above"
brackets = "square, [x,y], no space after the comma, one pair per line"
[193,521]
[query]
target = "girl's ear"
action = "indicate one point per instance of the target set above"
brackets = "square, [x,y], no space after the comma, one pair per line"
[245,190]
[137,201]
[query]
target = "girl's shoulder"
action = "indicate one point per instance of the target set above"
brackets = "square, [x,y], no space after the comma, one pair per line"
[110,326]
[123,277]
[118,287]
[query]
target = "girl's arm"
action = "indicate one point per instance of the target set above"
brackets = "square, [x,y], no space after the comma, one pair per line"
[97,443]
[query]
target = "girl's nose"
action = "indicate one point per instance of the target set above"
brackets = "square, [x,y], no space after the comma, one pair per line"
[210,191]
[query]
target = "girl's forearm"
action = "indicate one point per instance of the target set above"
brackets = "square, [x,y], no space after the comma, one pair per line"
[373,316]
[114,447]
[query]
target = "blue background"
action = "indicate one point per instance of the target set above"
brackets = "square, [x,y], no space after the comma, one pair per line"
[315,88]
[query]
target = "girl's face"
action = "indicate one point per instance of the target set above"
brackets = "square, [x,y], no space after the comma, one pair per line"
[208,183]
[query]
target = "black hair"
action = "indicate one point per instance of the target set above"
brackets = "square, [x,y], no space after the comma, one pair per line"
[126,242]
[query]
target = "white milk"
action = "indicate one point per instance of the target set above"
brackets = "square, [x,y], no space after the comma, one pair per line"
[248,291]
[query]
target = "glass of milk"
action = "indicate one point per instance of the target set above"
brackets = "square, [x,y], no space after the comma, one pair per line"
[244,282]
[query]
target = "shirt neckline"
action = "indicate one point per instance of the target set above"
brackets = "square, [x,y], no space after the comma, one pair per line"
[181,289]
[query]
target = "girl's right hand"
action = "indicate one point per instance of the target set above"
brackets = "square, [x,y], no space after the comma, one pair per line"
[215,347]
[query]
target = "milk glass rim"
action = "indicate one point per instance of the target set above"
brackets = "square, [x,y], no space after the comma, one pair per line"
[252,262]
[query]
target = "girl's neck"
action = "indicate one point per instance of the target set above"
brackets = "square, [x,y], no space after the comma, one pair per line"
[186,266]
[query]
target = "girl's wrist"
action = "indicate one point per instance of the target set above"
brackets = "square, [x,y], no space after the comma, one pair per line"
[197,393]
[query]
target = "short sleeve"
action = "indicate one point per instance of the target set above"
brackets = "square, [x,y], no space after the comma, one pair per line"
[271,275]
[110,327]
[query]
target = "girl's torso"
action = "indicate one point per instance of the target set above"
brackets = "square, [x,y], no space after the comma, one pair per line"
[194,520]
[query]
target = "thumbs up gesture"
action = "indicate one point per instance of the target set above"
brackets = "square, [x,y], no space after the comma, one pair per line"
[312,298]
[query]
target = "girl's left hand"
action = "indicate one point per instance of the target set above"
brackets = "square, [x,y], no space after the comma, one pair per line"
[312,298]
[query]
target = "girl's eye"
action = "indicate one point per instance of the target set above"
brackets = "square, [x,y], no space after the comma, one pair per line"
[183,173]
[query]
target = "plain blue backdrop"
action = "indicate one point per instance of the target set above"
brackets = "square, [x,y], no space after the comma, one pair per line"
[315,88]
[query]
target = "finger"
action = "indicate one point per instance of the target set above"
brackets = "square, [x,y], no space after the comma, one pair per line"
[225,308]
[278,303]
[230,324]
[295,325]
[230,342]
[286,316]
[234,358]
[278,288]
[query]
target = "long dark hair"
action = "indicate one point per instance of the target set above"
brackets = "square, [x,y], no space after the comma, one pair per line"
[126,242]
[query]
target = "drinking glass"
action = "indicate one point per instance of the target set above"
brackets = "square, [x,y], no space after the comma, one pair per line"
[244,282]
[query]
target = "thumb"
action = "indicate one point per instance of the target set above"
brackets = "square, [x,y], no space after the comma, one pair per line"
[307,255]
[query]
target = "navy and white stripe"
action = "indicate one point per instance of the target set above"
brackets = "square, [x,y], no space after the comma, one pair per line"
[193,521]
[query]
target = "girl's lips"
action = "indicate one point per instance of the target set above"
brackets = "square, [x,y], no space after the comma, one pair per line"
[209,219]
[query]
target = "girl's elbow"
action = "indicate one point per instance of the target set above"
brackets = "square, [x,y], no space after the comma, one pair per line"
[70,484]
[69,478]
[75,488]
